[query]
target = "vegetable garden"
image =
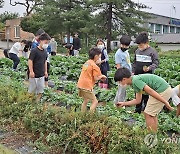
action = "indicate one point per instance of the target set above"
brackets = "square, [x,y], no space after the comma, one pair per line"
[56,124]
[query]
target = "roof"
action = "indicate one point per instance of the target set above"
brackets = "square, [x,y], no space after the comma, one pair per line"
[158,19]
[166,38]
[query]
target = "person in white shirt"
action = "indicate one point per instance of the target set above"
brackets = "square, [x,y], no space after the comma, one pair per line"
[176,98]
[14,52]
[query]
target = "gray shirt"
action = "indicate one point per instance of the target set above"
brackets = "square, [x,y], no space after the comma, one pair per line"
[53,45]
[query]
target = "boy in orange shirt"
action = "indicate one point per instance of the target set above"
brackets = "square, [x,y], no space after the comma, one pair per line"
[89,75]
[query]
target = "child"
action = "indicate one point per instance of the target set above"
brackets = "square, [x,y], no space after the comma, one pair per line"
[14,52]
[89,75]
[122,59]
[176,99]
[38,66]
[158,89]
[103,62]
[145,61]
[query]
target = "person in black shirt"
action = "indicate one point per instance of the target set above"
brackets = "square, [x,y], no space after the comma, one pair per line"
[37,64]
[145,61]
[76,44]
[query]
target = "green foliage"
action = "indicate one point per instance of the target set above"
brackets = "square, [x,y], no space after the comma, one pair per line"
[58,129]
[7,16]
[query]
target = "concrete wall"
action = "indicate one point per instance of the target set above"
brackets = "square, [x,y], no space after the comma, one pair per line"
[167,47]
[10,26]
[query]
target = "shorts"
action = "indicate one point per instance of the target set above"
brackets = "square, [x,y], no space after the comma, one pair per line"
[154,106]
[36,85]
[87,94]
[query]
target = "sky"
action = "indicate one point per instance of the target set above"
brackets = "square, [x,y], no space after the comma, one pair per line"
[169,8]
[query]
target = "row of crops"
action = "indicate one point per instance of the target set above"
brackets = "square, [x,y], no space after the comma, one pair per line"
[56,124]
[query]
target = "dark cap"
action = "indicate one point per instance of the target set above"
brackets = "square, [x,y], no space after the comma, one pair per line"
[39,32]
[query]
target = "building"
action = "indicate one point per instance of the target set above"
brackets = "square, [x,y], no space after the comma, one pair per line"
[14,32]
[159,24]
[165,31]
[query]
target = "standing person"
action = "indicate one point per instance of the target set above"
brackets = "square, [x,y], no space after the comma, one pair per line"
[38,66]
[14,52]
[76,44]
[122,59]
[176,99]
[158,89]
[145,61]
[89,75]
[66,40]
[36,40]
[53,45]
[103,62]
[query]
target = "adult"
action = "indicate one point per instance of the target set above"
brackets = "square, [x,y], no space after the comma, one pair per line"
[35,42]
[66,40]
[76,44]
[14,52]
[53,45]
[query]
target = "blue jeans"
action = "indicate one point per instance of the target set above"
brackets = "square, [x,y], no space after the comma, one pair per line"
[15,59]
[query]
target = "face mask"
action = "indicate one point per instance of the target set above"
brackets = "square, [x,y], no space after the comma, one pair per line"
[124,49]
[45,46]
[100,46]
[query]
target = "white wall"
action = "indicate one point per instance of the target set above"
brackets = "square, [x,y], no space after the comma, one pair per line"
[167,47]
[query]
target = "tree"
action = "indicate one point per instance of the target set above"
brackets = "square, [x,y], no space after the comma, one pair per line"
[59,16]
[121,16]
[29,4]
[7,16]
[1,3]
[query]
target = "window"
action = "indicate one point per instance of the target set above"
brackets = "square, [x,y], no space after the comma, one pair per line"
[172,29]
[178,30]
[151,27]
[165,29]
[17,31]
[158,28]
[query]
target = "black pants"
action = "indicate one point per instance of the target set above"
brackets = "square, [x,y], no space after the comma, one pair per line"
[140,107]
[15,59]
[6,53]
[48,70]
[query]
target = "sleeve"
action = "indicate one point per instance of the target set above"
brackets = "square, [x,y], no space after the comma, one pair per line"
[106,55]
[96,71]
[56,45]
[118,59]
[140,85]
[17,46]
[155,61]
[134,63]
[32,55]
[175,98]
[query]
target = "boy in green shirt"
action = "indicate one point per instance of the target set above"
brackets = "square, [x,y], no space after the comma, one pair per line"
[158,89]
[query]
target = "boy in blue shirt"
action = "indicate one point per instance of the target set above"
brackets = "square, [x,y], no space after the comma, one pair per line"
[122,59]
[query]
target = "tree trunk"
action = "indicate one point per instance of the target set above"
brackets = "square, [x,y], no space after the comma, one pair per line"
[109,27]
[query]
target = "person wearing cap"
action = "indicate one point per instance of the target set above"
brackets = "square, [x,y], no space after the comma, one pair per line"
[35,42]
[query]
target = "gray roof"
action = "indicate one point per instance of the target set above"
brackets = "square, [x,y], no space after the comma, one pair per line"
[159,19]
[166,38]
